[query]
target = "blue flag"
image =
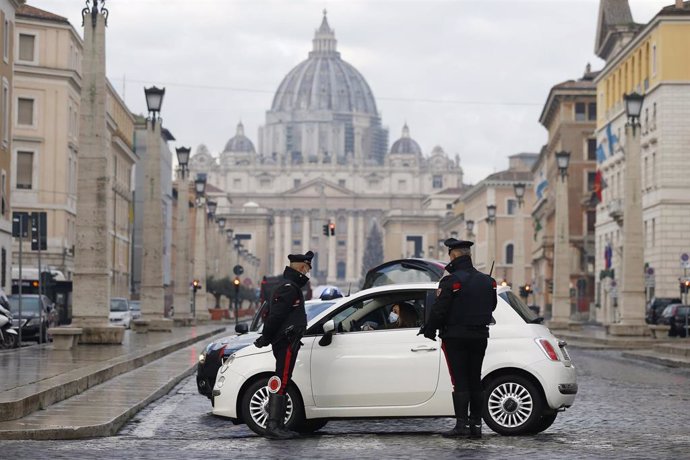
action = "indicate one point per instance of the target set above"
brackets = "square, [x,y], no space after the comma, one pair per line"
[612,138]
[601,155]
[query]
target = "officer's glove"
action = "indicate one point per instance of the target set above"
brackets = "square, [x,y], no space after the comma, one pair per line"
[428,333]
[261,342]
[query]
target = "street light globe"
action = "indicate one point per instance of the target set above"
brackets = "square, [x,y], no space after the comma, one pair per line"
[183,156]
[221,222]
[200,184]
[154,98]
[491,212]
[563,160]
[519,190]
[633,105]
[212,205]
[470,225]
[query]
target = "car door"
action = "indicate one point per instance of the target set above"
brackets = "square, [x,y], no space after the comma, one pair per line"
[373,368]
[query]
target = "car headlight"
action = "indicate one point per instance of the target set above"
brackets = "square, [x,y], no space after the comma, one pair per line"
[202,358]
[220,382]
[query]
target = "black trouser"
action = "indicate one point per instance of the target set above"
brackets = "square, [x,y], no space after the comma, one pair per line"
[286,355]
[464,358]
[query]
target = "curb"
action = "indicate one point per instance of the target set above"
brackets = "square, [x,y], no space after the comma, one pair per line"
[85,379]
[664,361]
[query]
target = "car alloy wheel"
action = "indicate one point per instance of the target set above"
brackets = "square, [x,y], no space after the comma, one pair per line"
[258,407]
[514,405]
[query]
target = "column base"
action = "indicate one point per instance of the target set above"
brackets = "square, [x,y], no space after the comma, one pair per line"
[144,325]
[108,335]
[558,324]
[635,330]
[184,321]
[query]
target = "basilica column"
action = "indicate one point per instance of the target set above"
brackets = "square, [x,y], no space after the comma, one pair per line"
[306,232]
[287,235]
[277,251]
[332,240]
[350,241]
[359,259]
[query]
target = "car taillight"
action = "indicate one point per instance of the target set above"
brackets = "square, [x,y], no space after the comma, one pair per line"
[548,349]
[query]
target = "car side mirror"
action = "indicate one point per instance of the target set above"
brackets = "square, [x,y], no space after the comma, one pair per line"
[241,328]
[328,331]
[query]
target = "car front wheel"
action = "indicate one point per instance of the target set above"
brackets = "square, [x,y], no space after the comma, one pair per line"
[513,406]
[255,407]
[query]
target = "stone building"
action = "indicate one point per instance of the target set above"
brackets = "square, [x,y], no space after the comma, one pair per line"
[323,158]
[569,115]
[652,60]
[7,25]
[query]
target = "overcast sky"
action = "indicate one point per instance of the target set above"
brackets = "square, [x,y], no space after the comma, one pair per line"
[468,75]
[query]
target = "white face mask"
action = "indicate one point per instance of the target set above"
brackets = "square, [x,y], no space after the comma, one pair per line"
[393,317]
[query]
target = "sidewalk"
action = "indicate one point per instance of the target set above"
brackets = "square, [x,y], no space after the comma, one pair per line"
[36,377]
[668,351]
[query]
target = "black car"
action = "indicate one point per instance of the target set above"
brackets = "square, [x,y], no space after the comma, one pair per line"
[34,309]
[679,321]
[216,352]
[405,271]
[656,306]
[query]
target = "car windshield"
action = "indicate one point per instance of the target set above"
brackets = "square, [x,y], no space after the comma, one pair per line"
[668,311]
[519,306]
[312,309]
[134,306]
[118,305]
[29,304]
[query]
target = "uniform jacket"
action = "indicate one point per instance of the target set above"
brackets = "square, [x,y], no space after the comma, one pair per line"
[286,307]
[464,301]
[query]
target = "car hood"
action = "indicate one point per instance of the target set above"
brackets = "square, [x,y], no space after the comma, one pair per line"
[232,343]
[118,314]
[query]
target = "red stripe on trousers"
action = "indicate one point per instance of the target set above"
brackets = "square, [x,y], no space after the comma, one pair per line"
[450,370]
[286,371]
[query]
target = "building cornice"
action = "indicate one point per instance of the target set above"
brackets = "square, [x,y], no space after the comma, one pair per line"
[29,71]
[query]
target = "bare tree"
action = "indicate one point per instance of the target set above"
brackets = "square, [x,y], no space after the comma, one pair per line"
[373,252]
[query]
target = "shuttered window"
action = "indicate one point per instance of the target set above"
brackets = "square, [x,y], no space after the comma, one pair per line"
[25,111]
[25,165]
[26,47]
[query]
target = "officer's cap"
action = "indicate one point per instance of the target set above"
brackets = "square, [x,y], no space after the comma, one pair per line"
[453,243]
[306,258]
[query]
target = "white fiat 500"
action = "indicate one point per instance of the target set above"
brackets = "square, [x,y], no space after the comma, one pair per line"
[354,364]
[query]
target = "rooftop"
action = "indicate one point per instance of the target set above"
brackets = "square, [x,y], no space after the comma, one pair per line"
[31,12]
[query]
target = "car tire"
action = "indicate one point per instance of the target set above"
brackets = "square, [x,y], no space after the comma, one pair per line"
[311,426]
[545,421]
[513,405]
[255,407]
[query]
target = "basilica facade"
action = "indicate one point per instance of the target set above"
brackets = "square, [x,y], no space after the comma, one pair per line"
[322,159]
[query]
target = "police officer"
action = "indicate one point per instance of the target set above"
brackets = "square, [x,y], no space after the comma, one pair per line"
[462,312]
[284,327]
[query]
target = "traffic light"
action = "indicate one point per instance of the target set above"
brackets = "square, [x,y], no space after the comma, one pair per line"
[331,227]
[236,283]
[325,230]
[549,286]
[525,290]
[684,286]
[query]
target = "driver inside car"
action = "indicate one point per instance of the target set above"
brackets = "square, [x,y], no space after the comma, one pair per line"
[402,314]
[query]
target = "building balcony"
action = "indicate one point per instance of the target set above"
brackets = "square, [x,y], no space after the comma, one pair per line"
[615,208]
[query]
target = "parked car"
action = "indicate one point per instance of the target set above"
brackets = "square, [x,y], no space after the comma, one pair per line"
[679,320]
[135,309]
[668,313]
[656,306]
[216,352]
[343,371]
[120,315]
[38,315]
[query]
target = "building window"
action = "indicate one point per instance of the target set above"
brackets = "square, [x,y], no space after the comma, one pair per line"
[25,167]
[591,176]
[449,206]
[6,49]
[511,206]
[341,270]
[592,149]
[592,111]
[3,192]
[437,181]
[591,220]
[341,182]
[373,183]
[509,254]
[653,232]
[265,182]
[27,47]
[5,112]
[296,183]
[580,111]
[237,183]
[25,111]
[654,60]
[402,185]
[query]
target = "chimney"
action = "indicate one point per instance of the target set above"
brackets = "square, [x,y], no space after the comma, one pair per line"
[679,4]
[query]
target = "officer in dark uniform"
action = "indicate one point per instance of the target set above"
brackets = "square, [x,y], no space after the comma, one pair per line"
[465,300]
[283,328]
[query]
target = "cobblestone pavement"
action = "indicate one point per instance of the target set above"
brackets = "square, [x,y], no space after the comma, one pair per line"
[625,409]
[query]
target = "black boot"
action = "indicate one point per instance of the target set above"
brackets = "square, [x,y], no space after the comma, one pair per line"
[276,418]
[476,406]
[462,426]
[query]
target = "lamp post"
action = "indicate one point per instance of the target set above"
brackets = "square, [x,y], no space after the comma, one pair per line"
[560,317]
[490,235]
[632,296]
[519,243]
[200,310]
[183,312]
[152,287]
[469,228]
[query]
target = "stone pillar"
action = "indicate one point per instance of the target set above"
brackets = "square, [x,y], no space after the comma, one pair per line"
[519,250]
[350,241]
[332,247]
[200,304]
[359,258]
[277,243]
[183,311]
[92,265]
[306,232]
[632,295]
[560,315]
[490,246]
[287,235]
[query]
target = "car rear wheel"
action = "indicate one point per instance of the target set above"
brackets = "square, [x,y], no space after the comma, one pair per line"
[255,407]
[513,405]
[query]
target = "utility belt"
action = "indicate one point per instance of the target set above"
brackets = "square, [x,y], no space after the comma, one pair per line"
[293,334]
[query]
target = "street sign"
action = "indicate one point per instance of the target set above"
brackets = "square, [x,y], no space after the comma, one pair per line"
[685,260]
[238,270]
[247,282]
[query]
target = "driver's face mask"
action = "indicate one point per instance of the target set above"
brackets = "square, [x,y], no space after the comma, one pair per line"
[393,317]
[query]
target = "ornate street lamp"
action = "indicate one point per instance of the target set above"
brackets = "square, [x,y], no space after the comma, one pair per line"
[470,226]
[212,206]
[519,189]
[563,160]
[200,184]
[633,107]
[183,158]
[221,223]
[491,213]
[154,101]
